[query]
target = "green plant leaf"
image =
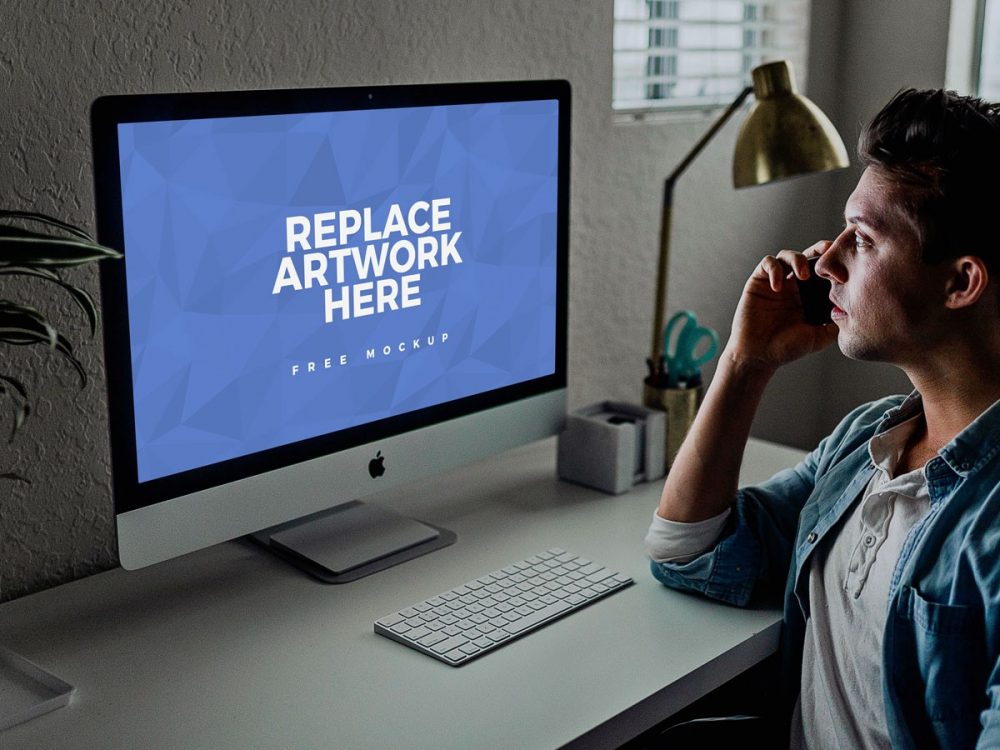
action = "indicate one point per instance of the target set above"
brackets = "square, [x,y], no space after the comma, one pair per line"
[66,349]
[8,215]
[42,250]
[83,300]
[21,324]
[16,391]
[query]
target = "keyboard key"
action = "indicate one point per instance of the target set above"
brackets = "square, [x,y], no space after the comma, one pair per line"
[543,614]
[430,640]
[449,644]
[388,622]
[417,633]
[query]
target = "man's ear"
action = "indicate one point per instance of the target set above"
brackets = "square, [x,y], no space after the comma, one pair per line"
[967,281]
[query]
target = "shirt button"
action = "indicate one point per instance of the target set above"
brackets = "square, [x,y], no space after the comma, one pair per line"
[812,537]
[869,540]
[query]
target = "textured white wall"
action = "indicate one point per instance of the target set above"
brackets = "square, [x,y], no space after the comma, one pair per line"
[57,56]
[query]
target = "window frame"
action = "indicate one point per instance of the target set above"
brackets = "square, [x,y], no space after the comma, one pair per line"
[966,30]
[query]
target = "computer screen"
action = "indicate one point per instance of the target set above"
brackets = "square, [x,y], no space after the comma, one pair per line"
[326,291]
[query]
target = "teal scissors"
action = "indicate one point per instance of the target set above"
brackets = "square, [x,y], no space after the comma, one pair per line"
[682,364]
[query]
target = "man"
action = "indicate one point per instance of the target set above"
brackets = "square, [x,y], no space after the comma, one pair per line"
[886,536]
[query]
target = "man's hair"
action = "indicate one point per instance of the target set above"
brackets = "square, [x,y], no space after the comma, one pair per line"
[943,150]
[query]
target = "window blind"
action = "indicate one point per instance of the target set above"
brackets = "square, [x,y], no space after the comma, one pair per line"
[699,53]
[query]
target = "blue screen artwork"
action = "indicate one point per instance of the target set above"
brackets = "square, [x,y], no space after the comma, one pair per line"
[293,275]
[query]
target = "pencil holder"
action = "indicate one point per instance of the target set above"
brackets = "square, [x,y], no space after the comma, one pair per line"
[681,405]
[612,446]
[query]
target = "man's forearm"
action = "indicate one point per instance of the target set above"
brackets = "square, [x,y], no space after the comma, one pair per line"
[703,478]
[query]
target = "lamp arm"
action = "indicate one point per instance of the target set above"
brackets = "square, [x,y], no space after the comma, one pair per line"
[697,148]
[665,216]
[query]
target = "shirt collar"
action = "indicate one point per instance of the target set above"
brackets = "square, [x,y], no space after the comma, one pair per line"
[972,447]
[976,444]
[886,447]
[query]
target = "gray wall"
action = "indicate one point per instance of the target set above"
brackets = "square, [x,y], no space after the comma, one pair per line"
[57,57]
[886,46]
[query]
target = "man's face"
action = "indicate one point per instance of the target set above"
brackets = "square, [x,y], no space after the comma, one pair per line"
[886,296]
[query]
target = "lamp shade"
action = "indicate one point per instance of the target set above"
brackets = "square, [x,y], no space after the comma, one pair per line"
[784,134]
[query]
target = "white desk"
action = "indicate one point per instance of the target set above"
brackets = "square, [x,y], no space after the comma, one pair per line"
[231,648]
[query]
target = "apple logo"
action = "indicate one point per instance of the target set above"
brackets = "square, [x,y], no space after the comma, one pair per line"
[376,467]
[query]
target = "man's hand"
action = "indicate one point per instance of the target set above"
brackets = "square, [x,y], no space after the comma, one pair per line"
[769,329]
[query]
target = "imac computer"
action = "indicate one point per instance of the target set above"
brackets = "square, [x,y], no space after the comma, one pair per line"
[325,293]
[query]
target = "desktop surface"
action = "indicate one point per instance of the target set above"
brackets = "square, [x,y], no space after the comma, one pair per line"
[231,648]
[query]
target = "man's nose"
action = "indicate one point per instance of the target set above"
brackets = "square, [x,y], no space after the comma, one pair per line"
[830,265]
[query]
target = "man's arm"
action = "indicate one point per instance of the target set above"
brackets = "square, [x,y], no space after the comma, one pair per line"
[769,330]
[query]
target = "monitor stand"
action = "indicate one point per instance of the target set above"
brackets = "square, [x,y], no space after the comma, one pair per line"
[351,541]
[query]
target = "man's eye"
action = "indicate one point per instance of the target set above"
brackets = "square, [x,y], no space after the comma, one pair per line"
[860,241]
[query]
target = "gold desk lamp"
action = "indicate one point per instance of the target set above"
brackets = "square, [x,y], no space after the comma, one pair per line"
[784,135]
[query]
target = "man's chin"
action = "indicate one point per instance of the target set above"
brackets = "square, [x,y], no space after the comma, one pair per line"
[851,348]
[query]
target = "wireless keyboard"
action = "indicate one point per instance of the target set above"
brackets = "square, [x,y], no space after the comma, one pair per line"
[457,626]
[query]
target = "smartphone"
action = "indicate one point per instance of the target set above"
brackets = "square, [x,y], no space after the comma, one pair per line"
[815,295]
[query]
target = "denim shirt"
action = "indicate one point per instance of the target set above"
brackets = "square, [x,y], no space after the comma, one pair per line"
[941,674]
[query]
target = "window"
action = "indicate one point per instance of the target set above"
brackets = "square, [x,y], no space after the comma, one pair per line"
[988,83]
[697,53]
[974,48]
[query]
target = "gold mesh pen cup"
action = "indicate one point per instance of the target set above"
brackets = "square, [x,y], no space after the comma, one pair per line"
[681,405]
